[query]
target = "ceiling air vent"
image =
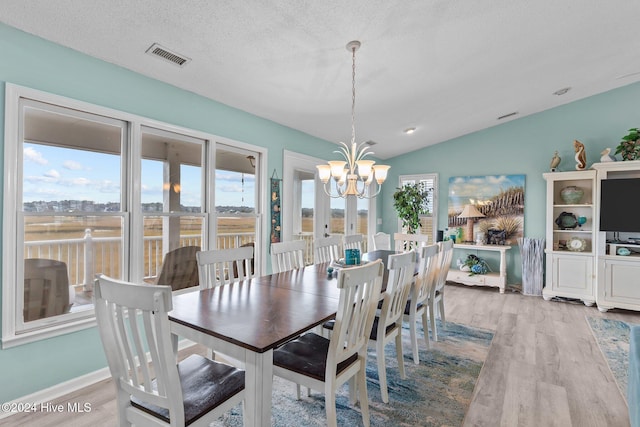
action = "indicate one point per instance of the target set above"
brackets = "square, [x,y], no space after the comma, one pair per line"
[167,55]
[370,143]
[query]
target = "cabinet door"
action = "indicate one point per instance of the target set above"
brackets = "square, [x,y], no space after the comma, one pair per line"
[573,275]
[622,281]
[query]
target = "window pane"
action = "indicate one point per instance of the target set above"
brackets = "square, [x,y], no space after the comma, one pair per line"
[235,196]
[171,177]
[71,176]
[337,216]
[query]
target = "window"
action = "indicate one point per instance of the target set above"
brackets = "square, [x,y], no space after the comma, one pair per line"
[94,190]
[428,222]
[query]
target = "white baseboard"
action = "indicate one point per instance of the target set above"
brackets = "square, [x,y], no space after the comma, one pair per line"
[51,393]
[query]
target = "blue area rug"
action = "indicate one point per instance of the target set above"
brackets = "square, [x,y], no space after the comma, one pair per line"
[612,337]
[435,393]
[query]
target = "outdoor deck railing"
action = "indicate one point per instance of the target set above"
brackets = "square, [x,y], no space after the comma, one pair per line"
[90,255]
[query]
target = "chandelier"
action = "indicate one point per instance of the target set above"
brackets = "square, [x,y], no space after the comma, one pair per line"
[353,175]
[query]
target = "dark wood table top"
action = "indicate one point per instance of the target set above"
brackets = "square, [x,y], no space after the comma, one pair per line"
[265,312]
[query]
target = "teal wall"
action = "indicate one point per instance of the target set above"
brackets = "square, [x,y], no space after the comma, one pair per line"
[522,146]
[32,62]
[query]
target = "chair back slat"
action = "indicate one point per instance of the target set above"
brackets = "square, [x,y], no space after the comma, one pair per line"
[428,270]
[401,268]
[407,242]
[223,266]
[326,249]
[359,295]
[444,263]
[287,256]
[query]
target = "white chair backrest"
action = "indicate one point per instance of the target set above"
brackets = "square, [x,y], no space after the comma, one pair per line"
[352,241]
[359,295]
[326,249]
[407,242]
[381,241]
[287,256]
[444,262]
[428,269]
[132,320]
[401,268]
[221,266]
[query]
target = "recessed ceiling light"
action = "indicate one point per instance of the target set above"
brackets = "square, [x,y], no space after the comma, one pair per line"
[507,115]
[409,131]
[562,91]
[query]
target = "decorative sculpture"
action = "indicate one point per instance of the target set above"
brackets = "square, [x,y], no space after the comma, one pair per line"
[555,161]
[606,157]
[581,156]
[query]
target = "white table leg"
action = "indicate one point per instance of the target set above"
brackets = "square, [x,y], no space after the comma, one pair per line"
[258,388]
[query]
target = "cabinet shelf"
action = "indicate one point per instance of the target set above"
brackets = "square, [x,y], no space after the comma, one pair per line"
[580,205]
[573,231]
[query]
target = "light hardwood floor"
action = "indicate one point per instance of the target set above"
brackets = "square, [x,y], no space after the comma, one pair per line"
[544,367]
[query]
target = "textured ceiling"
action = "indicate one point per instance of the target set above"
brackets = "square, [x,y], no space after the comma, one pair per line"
[446,67]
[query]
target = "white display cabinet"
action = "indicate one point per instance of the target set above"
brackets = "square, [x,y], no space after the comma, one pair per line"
[618,284]
[570,235]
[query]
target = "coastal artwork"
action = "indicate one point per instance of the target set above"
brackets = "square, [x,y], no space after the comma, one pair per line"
[500,198]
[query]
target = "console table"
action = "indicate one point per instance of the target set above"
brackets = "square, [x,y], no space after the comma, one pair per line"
[498,280]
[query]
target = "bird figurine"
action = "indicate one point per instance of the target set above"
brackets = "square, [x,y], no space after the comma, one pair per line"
[606,157]
[581,156]
[555,161]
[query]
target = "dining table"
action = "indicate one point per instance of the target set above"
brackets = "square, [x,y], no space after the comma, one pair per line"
[248,319]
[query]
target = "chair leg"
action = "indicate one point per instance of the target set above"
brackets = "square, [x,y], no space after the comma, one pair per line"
[432,318]
[425,328]
[362,388]
[399,353]
[330,404]
[298,391]
[413,333]
[441,310]
[353,391]
[382,369]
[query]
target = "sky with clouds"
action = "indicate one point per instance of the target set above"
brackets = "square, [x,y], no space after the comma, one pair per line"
[55,173]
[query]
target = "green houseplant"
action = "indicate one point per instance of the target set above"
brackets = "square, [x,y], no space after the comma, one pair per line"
[410,202]
[629,147]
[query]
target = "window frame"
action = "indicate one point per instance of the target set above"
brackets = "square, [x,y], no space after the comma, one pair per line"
[132,231]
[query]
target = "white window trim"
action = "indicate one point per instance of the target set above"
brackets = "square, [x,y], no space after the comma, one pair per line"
[55,326]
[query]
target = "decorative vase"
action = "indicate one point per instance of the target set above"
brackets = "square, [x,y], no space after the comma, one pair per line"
[571,195]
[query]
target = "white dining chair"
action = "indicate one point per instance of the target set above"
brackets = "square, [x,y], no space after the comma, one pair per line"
[408,242]
[437,295]
[134,327]
[417,307]
[222,266]
[326,249]
[381,241]
[387,325]
[352,241]
[325,364]
[287,256]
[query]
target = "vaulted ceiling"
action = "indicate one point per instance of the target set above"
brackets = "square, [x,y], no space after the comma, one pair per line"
[445,67]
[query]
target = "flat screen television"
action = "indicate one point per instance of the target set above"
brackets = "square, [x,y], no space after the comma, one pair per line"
[620,205]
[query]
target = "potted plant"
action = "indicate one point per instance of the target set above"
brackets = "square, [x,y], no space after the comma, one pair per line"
[629,147]
[410,202]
